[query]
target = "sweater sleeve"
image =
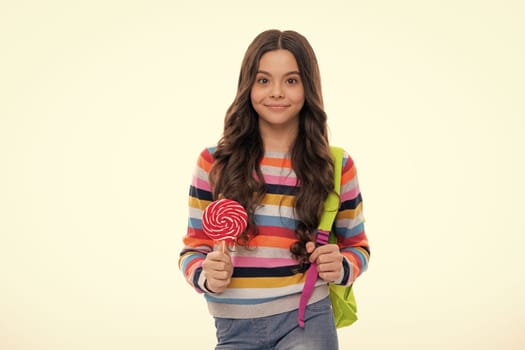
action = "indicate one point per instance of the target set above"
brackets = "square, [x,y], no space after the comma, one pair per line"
[196,244]
[349,224]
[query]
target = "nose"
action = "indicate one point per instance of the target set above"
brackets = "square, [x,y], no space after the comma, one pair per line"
[277,91]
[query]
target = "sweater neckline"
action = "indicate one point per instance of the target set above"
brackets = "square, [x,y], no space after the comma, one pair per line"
[277,154]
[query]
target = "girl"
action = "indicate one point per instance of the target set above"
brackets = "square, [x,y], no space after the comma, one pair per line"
[274,158]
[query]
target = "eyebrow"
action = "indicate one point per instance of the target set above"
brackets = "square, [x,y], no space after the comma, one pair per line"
[288,73]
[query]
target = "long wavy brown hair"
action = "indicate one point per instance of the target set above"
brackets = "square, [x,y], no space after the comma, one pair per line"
[236,172]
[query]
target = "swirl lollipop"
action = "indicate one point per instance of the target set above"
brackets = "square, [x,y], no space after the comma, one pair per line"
[224,220]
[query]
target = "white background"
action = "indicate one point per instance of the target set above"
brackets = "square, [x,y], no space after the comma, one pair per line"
[105,105]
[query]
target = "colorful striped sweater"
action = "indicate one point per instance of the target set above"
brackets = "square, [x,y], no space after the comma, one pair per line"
[266,279]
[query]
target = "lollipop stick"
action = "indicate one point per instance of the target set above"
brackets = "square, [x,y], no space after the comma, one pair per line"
[223,246]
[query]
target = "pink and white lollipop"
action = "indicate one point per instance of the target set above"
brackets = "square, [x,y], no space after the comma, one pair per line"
[224,220]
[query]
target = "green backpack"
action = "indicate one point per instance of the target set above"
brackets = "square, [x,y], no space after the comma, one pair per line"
[342,297]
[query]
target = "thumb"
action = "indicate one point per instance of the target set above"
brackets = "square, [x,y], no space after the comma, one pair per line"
[310,247]
[222,247]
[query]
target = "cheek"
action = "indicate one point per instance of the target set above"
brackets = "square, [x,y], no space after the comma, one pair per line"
[255,96]
[255,101]
[298,97]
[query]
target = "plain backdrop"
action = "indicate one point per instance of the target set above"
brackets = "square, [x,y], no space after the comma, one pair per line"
[105,106]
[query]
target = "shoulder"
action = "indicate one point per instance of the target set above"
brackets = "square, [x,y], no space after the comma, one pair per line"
[348,161]
[207,153]
[206,159]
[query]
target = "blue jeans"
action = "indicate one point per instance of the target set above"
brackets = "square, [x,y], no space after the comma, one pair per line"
[280,332]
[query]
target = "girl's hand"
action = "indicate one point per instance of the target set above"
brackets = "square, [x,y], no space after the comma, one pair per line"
[217,269]
[329,261]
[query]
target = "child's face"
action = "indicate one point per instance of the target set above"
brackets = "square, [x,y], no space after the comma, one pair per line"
[278,94]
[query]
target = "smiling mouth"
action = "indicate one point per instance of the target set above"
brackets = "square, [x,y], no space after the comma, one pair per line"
[277,106]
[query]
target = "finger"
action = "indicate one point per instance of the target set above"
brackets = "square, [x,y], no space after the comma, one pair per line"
[330,276]
[310,247]
[328,267]
[218,275]
[318,252]
[210,265]
[328,249]
[315,253]
[219,267]
[219,256]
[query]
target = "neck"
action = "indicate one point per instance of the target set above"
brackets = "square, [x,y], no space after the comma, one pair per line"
[278,139]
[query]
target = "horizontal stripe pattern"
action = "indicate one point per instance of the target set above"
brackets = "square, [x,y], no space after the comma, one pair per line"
[265,273]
